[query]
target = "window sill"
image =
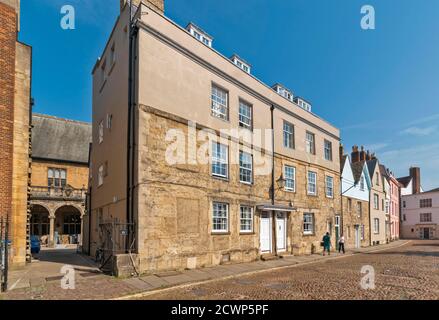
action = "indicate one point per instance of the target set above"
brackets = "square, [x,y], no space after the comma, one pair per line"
[111,69]
[102,86]
[309,234]
[216,117]
[312,195]
[252,233]
[219,233]
[225,179]
[250,184]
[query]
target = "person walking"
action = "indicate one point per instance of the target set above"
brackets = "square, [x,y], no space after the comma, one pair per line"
[341,244]
[327,243]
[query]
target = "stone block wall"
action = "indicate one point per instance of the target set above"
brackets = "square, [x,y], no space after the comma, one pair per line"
[174,204]
[351,217]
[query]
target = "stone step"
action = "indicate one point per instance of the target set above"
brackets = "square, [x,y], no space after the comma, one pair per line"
[269,257]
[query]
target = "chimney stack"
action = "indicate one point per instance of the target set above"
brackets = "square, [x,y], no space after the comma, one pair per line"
[157,5]
[355,155]
[362,154]
[415,174]
[368,157]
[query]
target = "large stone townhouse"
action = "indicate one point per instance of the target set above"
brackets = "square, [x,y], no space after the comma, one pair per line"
[182,154]
[355,189]
[15,110]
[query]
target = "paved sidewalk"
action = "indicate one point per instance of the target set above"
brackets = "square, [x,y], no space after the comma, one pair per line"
[91,285]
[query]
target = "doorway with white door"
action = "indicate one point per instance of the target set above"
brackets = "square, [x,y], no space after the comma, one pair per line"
[266,232]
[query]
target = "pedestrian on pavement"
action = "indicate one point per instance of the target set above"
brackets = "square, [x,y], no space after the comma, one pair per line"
[327,243]
[341,244]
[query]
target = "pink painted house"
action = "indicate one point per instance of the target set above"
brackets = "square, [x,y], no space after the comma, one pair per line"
[393,199]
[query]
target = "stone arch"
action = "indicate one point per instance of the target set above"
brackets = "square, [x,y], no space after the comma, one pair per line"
[40,220]
[68,223]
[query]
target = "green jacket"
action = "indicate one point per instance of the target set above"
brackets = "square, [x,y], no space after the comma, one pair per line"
[326,241]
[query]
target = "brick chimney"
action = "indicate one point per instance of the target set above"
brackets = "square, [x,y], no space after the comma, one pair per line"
[158,5]
[362,154]
[415,173]
[368,156]
[355,155]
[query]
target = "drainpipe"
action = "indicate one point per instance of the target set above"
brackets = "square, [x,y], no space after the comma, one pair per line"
[133,31]
[273,213]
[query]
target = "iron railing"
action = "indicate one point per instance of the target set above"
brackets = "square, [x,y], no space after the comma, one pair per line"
[4,252]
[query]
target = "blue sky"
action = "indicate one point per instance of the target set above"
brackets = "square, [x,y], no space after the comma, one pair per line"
[379,86]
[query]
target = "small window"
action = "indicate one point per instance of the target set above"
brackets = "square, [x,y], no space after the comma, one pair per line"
[288,135]
[103,72]
[404,204]
[425,217]
[377,178]
[328,150]
[376,202]
[290,178]
[308,223]
[220,217]
[362,232]
[349,204]
[362,183]
[329,187]
[245,167]
[404,218]
[220,160]
[220,103]
[101,132]
[310,143]
[359,209]
[312,183]
[376,225]
[109,121]
[246,219]
[101,176]
[245,115]
[426,203]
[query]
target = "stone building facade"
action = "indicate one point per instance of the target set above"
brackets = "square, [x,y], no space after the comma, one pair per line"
[15,109]
[59,179]
[200,187]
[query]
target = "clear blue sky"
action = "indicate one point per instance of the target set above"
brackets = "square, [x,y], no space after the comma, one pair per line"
[380,87]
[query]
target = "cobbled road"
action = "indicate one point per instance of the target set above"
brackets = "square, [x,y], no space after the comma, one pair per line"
[407,272]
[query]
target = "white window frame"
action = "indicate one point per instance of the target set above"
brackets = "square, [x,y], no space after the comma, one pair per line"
[309,190]
[245,168]
[362,183]
[220,159]
[290,179]
[219,103]
[329,183]
[218,214]
[101,131]
[245,220]
[328,150]
[245,118]
[310,143]
[306,223]
[425,217]
[376,225]
[376,201]
[288,134]
[101,175]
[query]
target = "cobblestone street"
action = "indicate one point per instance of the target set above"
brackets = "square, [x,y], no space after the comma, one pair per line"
[407,272]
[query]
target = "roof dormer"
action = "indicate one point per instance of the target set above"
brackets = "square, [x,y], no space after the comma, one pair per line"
[283,91]
[303,104]
[200,34]
[241,63]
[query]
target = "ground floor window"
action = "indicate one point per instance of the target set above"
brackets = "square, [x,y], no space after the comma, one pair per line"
[376,225]
[246,219]
[308,223]
[72,224]
[362,232]
[220,217]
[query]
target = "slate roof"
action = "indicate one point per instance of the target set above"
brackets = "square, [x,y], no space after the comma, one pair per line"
[404,181]
[60,139]
[357,170]
[371,164]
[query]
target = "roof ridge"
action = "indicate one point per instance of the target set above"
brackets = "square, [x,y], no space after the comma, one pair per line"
[47,116]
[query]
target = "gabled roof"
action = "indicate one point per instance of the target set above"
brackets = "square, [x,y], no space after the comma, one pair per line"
[434,190]
[342,162]
[357,170]
[60,139]
[404,181]
[371,165]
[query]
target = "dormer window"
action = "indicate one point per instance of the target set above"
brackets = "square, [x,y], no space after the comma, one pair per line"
[303,104]
[284,92]
[199,34]
[240,63]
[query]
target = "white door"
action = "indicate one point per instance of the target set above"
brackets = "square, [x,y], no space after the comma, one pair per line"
[265,232]
[281,229]
[357,237]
